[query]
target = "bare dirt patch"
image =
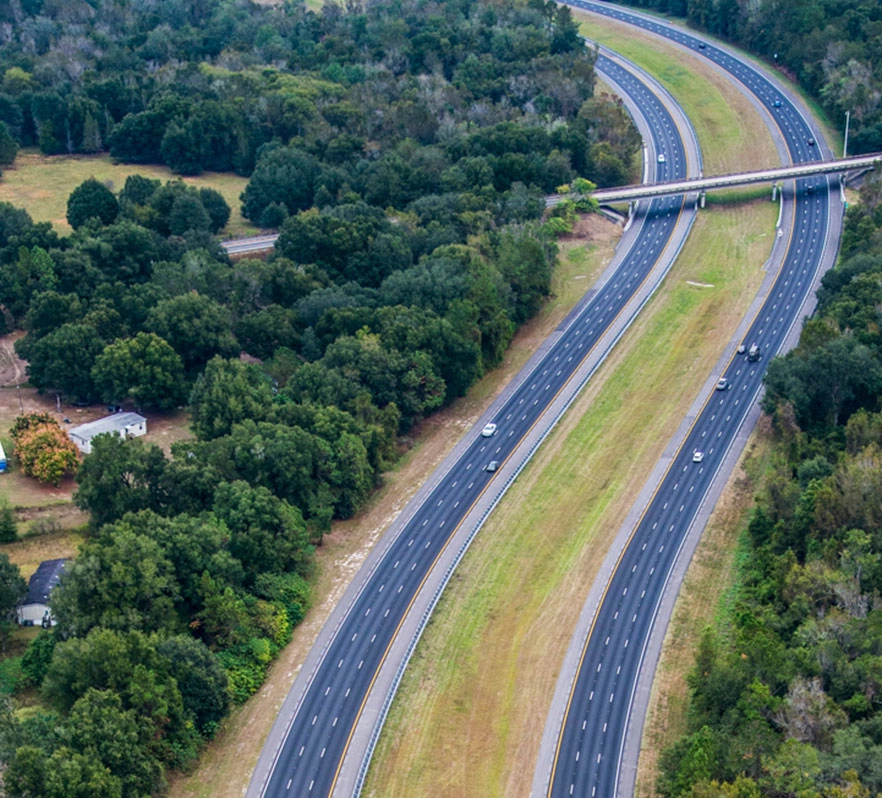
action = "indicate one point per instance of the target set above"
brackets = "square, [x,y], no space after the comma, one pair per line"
[12,367]
[225,768]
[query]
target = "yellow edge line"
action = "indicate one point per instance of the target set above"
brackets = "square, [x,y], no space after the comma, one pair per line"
[456,529]
[630,537]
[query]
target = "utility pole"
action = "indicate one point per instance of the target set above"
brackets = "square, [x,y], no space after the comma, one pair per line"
[845,143]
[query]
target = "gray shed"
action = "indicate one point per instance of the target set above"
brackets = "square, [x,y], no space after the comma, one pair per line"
[35,609]
[124,425]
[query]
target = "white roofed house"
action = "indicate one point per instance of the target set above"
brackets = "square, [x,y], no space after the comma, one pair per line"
[124,425]
[34,610]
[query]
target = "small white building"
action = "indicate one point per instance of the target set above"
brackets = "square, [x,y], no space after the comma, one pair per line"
[125,425]
[34,611]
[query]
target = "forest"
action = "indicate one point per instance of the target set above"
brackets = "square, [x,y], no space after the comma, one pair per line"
[832,48]
[403,152]
[786,689]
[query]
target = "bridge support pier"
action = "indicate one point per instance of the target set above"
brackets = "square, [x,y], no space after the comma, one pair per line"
[774,192]
[701,198]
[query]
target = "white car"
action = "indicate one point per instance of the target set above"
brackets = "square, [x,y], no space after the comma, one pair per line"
[661,157]
[723,384]
[489,430]
[697,456]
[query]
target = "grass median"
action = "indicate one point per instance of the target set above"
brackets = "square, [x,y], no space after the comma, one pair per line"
[470,713]
[471,709]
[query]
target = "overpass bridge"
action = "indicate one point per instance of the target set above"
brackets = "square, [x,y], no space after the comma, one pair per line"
[606,196]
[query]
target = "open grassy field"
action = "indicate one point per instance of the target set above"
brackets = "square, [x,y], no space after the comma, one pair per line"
[41,185]
[472,706]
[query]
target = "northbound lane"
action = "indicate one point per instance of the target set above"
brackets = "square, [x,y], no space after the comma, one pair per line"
[591,740]
[328,697]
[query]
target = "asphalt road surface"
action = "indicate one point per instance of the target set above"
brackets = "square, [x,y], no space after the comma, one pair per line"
[332,695]
[589,750]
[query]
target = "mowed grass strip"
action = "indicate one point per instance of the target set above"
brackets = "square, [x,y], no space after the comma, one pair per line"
[732,136]
[41,185]
[471,710]
[472,705]
[708,582]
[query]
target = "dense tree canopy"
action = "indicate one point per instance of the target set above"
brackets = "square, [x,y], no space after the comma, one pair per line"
[402,151]
[91,200]
[831,48]
[784,693]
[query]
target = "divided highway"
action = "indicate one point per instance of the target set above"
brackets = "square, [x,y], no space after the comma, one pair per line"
[312,734]
[583,751]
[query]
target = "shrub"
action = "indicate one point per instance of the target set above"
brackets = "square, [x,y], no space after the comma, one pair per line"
[43,448]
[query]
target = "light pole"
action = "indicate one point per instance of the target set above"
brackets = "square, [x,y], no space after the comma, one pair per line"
[845,143]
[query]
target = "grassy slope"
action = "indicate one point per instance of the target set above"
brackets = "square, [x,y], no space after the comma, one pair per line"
[41,184]
[473,703]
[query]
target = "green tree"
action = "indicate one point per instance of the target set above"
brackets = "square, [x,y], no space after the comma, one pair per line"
[267,330]
[137,138]
[64,358]
[194,545]
[118,477]
[197,328]
[91,200]
[188,213]
[128,664]
[227,393]
[23,278]
[201,680]
[13,588]
[8,146]
[285,175]
[120,581]
[826,384]
[144,368]
[695,757]
[138,190]
[266,533]
[37,656]
[102,731]
[25,774]
[565,37]
[217,208]
[8,526]
[184,148]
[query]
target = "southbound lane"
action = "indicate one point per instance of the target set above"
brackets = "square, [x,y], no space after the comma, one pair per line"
[588,757]
[309,759]
[590,746]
